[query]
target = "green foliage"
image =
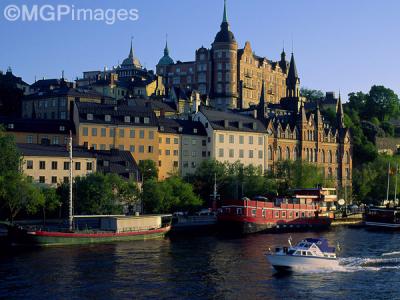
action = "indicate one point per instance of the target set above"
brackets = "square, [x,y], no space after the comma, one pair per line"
[98,194]
[312,95]
[10,157]
[51,202]
[172,194]
[299,174]
[148,169]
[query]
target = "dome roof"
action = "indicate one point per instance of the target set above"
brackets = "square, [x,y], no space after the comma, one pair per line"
[166,59]
[224,35]
[131,60]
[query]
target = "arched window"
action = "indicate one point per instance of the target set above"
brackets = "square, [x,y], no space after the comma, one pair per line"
[279,153]
[287,153]
[330,157]
[308,154]
[323,156]
[315,155]
[270,152]
[311,155]
[347,157]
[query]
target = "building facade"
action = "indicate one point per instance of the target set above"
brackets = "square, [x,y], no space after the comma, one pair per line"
[232,77]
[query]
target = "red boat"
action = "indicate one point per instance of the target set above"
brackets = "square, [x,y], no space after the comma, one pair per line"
[305,209]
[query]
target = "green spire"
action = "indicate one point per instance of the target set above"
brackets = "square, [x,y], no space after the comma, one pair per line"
[166,50]
[131,51]
[225,17]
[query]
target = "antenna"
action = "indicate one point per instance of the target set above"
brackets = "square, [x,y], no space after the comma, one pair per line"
[70,214]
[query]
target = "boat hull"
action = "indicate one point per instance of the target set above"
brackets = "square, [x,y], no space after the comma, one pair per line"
[46,238]
[301,263]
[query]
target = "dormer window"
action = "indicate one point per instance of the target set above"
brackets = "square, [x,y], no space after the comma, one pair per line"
[89,117]
[146,120]
[137,120]
[107,118]
[127,119]
[194,130]
[62,128]
[161,128]
[180,129]
[10,126]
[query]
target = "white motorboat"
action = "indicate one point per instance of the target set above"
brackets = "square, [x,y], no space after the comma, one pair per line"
[309,254]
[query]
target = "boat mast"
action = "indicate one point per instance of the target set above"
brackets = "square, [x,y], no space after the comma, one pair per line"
[70,214]
[395,185]
[388,184]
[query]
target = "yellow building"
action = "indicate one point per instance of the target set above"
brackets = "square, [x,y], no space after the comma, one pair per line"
[34,131]
[50,164]
[124,127]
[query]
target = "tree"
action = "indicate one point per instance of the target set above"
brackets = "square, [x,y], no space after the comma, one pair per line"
[312,95]
[172,194]
[148,169]
[51,201]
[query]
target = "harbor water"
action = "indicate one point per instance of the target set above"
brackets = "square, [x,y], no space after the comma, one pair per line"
[208,267]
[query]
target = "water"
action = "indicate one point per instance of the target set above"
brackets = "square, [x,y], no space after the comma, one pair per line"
[202,268]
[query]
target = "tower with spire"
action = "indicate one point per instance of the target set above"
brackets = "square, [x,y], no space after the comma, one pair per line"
[292,80]
[224,64]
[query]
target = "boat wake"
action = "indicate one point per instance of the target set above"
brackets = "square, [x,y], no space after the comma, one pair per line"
[354,264]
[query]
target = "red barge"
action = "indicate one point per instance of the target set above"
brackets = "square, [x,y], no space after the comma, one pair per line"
[306,209]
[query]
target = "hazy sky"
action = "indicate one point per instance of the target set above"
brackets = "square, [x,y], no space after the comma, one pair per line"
[345,45]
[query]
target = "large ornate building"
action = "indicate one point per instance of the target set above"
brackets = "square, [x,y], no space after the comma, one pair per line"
[232,77]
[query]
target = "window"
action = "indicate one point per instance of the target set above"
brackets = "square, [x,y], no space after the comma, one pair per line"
[241,153]
[66,165]
[102,147]
[54,165]
[260,154]
[132,134]
[42,165]
[221,138]
[231,153]
[54,179]
[66,179]
[29,139]
[150,149]
[263,213]
[221,152]
[85,131]
[151,135]
[89,166]
[193,142]
[176,141]
[253,212]
[141,149]
[132,148]
[251,155]
[29,164]
[103,132]
[176,152]
[250,140]
[241,139]
[167,152]
[107,118]
[168,141]
[277,214]
[127,119]
[137,120]
[94,131]
[89,117]
[231,139]
[94,146]
[193,153]
[146,120]
[239,211]
[112,132]
[42,179]
[141,134]
[279,153]
[121,133]
[77,165]
[270,153]
[63,115]
[287,153]
[175,164]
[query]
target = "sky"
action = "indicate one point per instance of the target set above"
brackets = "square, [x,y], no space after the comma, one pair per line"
[341,45]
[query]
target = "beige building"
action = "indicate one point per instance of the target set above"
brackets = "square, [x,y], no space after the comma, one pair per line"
[50,165]
[234,137]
